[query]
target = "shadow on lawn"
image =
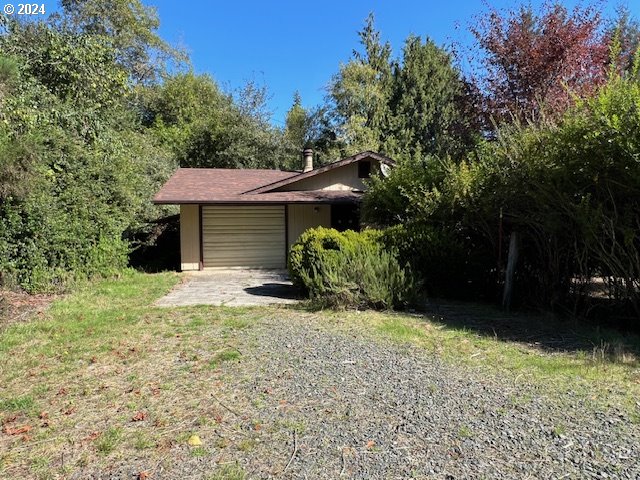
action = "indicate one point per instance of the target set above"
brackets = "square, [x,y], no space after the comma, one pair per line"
[545,332]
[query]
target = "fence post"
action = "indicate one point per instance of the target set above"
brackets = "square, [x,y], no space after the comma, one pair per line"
[511,268]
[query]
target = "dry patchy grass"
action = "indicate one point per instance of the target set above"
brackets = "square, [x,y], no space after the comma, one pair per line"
[104,376]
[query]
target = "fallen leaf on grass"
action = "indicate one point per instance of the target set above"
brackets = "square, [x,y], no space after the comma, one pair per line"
[16,430]
[138,417]
[92,436]
[194,441]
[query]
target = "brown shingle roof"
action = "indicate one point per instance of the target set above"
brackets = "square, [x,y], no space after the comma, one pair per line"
[201,185]
[219,185]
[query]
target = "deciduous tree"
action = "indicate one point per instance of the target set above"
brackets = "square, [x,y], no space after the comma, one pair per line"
[534,63]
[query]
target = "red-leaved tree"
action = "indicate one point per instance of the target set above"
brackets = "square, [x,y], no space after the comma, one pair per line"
[536,63]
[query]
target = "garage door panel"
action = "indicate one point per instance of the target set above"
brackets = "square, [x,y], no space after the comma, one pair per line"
[238,236]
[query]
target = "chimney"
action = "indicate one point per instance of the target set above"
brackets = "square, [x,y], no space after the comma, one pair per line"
[307,154]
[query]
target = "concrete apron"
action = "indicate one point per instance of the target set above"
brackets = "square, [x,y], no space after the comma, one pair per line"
[232,287]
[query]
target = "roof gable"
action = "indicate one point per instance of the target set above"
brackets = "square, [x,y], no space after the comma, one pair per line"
[319,171]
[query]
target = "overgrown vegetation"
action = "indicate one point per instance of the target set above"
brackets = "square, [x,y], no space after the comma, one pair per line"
[565,185]
[349,269]
[569,188]
[91,124]
[538,140]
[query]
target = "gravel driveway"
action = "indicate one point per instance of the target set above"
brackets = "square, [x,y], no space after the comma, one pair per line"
[310,402]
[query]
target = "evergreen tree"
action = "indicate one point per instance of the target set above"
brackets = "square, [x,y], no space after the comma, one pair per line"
[297,124]
[361,93]
[427,103]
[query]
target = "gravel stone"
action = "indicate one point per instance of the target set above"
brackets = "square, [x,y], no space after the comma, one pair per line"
[355,408]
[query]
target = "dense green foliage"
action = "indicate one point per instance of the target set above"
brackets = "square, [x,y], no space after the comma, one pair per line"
[205,127]
[571,189]
[75,171]
[91,124]
[349,269]
[404,108]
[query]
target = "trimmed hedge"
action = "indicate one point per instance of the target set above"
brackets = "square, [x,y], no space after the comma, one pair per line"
[349,269]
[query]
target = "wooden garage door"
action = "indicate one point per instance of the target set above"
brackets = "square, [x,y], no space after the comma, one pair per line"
[239,236]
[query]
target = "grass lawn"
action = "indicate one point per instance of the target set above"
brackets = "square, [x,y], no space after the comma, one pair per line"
[105,376]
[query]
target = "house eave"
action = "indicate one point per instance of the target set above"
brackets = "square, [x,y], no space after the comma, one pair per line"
[335,201]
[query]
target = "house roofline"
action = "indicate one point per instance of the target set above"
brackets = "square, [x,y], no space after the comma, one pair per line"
[260,202]
[340,163]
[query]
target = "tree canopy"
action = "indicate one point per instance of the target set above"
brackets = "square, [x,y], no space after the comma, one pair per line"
[540,142]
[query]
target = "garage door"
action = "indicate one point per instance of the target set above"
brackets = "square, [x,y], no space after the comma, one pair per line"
[238,236]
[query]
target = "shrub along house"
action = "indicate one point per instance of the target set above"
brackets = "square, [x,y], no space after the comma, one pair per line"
[250,218]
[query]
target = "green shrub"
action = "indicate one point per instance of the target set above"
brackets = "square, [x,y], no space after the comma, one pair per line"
[447,262]
[349,269]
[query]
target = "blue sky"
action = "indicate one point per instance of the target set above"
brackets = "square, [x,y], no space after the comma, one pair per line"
[299,45]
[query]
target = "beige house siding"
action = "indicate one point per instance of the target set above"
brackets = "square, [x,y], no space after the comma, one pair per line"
[342,178]
[302,217]
[243,236]
[189,237]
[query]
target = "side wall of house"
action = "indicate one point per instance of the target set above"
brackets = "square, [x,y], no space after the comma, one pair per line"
[189,237]
[302,217]
[342,178]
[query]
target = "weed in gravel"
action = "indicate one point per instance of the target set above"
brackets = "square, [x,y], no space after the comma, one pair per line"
[519,400]
[237,323]
[247,445]
[39,465]
[260,401]
[292,425]
[229,472]
[143,441]
[559,430]
[198,452]
[465,432]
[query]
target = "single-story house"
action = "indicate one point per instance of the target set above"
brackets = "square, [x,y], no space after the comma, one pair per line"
[250,217]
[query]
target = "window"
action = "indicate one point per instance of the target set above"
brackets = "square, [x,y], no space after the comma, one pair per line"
[364,169]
